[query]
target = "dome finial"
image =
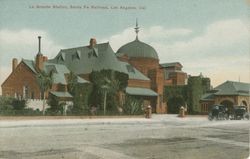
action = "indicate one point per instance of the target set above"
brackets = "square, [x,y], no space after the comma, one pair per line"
[136,29]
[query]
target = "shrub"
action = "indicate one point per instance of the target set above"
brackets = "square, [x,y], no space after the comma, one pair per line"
[133,106]
[55,108]
[13,106]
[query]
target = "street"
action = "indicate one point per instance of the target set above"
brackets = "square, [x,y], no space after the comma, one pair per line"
[162,137]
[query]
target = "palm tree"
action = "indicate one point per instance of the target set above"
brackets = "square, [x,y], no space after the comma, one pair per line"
[108,86]
[45,81]
[72,82]
[107,83]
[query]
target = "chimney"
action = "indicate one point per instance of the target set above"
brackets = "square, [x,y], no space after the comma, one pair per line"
[45,58]
[39,45]
[39,57]
[92,42]
[14,64]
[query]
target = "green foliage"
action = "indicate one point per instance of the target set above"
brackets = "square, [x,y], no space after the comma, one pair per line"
[5,101]
[173,91]
[18,104]
[55,107]
[6,107]
[27,112]
[190,94]
[133,106]
[175,96]
[81,93]
[45,81]
[13,106]
[174,104]
[106,85]
[197,86]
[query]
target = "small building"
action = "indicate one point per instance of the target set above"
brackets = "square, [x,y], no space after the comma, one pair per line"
[229,94]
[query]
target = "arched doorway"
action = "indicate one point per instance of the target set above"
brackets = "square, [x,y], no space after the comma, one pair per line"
[228,104]
[244,103]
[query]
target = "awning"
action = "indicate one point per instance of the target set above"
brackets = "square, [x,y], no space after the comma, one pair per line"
[81,80]
[61,94]
[140,91]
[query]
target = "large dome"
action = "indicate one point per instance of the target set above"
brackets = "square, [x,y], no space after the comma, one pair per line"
[137,48]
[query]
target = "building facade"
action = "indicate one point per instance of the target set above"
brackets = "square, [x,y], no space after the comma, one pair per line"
[147,77]
[229,94]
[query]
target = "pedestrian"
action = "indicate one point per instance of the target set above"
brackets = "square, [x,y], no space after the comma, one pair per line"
[93,110]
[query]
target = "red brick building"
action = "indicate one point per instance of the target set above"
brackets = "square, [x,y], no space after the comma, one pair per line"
[139,60]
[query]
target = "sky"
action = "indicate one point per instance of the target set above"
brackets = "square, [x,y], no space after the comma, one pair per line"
[206,36]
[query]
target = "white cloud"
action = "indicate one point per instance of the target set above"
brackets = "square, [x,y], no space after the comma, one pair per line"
[119,39]
[220,52]
[23,44]
[154,33]
[223,46]
[159,33]
[217,39]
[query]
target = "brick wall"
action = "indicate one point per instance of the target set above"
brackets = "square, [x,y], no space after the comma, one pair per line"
[21,76]
[139,83]
[144,64]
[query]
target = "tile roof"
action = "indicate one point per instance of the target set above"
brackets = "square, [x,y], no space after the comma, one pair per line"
[140,91]
[30,64]
[137,48]
[59,72]
[171,64]
[132,72]
[83,60]
[208,97]
[233,88]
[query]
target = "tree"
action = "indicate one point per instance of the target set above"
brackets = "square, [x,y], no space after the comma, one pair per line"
[72,83]
[80,93]
[108,84]
[6,107]
[53,102]
[197,86]
[45,81]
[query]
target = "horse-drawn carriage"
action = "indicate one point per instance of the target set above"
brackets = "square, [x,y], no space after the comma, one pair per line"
[218,112]
[240,112]
[221,112]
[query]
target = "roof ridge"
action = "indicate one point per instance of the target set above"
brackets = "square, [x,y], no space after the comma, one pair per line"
[238,82]
[83,46]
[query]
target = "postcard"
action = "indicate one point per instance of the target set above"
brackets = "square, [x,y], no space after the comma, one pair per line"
[127,79]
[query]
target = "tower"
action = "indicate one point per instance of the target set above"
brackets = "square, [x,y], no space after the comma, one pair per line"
[137,29]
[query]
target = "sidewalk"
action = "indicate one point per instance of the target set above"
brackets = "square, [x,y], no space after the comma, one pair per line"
[66,117]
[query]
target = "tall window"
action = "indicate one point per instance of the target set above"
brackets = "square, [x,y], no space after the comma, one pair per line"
[26,92]
[32,95]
